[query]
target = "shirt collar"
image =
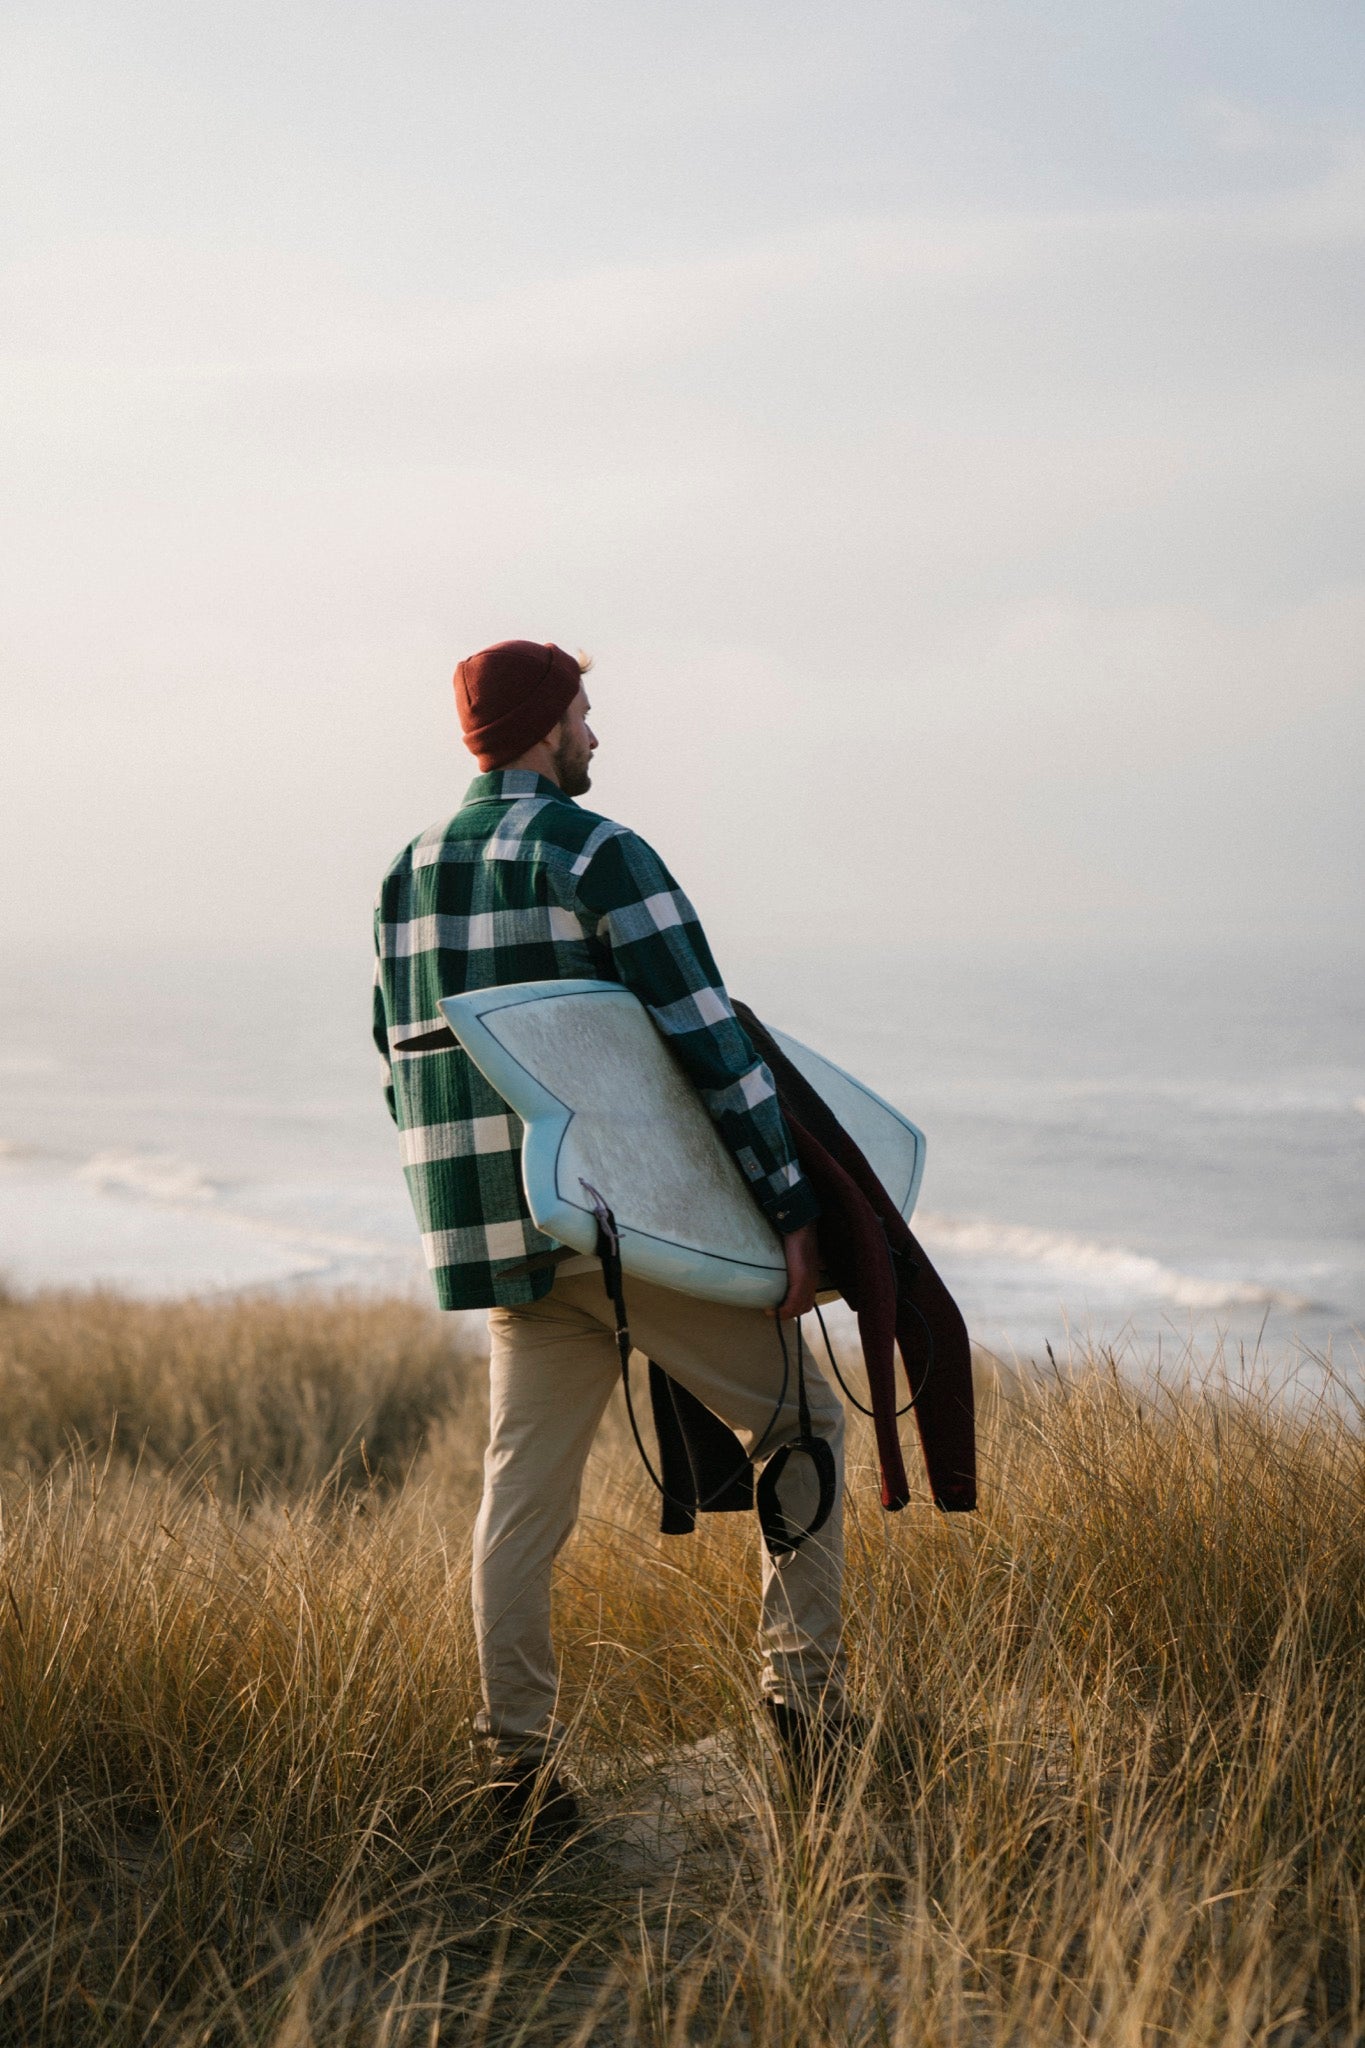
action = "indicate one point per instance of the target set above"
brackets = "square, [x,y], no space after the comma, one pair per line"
[504,785]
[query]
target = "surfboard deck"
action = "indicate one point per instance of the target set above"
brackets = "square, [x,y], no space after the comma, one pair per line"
[605,1105]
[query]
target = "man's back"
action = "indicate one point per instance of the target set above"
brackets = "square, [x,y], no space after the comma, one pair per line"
[524,885]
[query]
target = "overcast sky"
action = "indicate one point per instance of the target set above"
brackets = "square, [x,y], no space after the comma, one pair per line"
[944,424]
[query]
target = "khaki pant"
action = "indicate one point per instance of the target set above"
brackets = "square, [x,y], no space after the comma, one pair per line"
[552,1370]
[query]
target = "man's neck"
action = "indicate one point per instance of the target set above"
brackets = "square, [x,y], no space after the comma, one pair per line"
[537,760]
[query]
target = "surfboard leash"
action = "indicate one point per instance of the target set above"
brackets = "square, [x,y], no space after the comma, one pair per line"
[849,1395]
[779,1534]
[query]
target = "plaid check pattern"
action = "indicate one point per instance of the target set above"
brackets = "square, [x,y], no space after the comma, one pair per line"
[524,885]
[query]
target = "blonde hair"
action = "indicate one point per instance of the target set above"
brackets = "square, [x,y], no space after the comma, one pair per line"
[584,661]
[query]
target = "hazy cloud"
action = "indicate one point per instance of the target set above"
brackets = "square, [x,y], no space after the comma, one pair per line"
[942,424]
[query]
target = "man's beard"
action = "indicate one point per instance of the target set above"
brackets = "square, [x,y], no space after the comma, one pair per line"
[572,765]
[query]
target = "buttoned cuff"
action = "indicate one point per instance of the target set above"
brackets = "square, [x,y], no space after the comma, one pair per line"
[792,1209]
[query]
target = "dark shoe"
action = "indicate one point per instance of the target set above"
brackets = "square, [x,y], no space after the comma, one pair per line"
[529,1803]
[818,1743]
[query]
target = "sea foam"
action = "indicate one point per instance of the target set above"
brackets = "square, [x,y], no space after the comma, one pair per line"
[1083,1262]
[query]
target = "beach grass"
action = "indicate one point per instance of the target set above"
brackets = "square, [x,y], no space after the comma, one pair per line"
[1115,1793]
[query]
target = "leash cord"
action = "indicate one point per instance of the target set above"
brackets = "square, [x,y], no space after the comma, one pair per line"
[609,1252]
[746,1464]
[849,1394]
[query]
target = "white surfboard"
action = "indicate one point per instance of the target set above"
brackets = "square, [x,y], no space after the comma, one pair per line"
[605,1105]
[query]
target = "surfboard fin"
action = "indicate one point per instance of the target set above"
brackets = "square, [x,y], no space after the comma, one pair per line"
[439,1040]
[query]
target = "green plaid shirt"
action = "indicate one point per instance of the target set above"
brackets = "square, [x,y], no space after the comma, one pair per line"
[524,885]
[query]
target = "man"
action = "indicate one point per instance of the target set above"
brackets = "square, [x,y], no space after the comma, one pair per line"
[523,884]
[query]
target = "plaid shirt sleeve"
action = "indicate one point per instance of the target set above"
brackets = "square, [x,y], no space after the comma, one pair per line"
[660,952]
[381,1033]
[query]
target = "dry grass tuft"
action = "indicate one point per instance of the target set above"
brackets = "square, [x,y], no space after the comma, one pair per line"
[1116,1794]
[261,1394]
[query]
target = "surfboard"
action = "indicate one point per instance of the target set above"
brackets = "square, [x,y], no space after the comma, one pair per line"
[605,1106]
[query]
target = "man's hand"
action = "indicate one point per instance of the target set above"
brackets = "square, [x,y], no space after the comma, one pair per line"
[803,1273]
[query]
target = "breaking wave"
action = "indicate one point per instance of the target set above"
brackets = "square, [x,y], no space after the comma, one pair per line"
[169,1182]
[1114,1269]
[1014,1262]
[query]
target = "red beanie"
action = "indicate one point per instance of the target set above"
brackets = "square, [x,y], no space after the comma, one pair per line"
[509,696]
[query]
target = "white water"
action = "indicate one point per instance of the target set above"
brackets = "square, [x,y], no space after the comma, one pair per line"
[1119,1148]
[1089,1267]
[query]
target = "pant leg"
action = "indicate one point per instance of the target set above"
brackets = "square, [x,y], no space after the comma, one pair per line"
[551,1372]
[731,1359]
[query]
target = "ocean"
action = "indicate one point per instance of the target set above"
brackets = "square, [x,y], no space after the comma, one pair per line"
[1142,1151]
